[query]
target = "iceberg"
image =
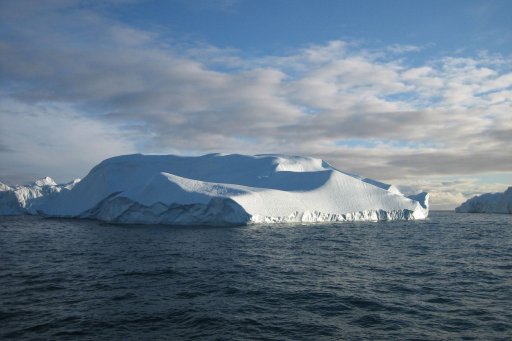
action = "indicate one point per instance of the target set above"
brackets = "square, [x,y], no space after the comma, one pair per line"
[488,203]
[224,189]
[218,189]
[26,199]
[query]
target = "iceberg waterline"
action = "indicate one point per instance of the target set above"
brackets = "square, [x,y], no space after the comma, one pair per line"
[217,189]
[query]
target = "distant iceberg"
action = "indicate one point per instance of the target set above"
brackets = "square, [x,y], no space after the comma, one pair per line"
[218,189]
[488,203]
[27,199]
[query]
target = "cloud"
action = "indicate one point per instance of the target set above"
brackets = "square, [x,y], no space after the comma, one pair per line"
[54,140]
[445,194]
[128,89]
[398,48]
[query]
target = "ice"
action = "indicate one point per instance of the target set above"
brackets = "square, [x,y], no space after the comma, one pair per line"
[47,181]
[488,203]
[218,189]
[16,200]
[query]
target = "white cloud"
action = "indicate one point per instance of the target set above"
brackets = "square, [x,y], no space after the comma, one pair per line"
[398,48]
[54,140]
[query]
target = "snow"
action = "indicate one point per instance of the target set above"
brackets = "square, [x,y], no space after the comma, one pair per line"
[387,187]
[218,189]
[45,182]
[4,187]
[27,199]
[488,203]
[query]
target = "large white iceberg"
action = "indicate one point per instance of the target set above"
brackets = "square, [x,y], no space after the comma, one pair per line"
[218,189]
[488,203]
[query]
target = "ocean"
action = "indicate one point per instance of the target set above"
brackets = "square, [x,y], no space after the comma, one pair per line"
[445,278]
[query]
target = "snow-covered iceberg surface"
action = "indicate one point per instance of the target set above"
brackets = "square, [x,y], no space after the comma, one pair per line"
[220,189]
[27,199]
[488,203]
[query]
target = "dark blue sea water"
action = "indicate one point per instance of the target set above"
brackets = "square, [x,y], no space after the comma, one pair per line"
[449,277]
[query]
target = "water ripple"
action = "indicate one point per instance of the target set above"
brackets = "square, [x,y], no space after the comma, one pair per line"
[444,278]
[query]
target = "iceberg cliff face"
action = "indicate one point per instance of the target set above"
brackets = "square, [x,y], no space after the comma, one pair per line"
[488,203]
[220,189]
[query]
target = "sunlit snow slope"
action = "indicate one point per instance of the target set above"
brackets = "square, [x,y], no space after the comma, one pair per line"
[220,189]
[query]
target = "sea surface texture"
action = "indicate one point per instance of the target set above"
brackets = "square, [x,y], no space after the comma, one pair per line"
[448,277]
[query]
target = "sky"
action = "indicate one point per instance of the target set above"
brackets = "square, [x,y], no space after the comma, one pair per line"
[413,93]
